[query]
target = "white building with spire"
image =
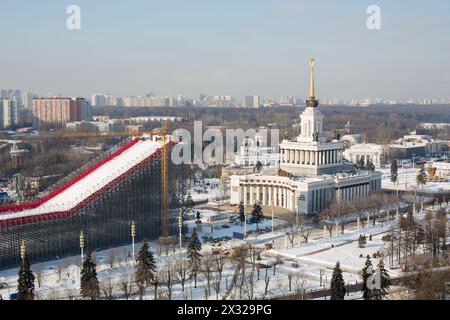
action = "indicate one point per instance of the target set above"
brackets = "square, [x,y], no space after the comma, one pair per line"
[311,173]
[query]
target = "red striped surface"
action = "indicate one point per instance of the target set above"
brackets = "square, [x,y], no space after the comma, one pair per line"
[79,206]
[36,203]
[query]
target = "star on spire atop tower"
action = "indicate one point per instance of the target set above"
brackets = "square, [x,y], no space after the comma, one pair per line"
[311,101]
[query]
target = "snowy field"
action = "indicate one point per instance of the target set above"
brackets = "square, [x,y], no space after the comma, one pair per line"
[211,190]
[303,264]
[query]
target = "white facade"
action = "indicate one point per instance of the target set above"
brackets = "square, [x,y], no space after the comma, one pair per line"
[431,146]
[251,151]
[302,194]
[310,154]
[366,151]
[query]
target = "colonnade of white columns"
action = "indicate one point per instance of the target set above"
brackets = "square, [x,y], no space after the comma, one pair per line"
[311,157]
[347,194]
[280,196]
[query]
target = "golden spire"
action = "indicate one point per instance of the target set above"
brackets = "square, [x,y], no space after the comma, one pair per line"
[312,62]
[311,101]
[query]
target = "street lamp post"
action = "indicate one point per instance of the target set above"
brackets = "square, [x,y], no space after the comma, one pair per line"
[81,244]
[133,235]
[245,223]
[180,225]
[406,179]
[272,216]
[22,250]
[285,242]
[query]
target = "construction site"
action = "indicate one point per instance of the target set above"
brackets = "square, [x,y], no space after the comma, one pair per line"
[94,207]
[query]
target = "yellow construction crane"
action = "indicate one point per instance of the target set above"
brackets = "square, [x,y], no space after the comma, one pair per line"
[164,176]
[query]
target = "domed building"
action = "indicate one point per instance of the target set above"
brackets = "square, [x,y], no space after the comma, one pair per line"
[311,171]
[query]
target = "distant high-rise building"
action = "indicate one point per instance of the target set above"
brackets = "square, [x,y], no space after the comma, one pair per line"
[59,111]
[8,113]
[12,94]
[27,100]
[101,100]
[252,102]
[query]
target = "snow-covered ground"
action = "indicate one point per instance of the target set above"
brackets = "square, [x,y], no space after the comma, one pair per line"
[407,181]
[211,190]
[308,265]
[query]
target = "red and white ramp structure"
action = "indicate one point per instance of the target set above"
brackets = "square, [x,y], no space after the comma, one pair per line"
[101,199]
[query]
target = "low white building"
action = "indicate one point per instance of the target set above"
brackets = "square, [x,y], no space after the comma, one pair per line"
[252,150]
[415,145]
[366,151]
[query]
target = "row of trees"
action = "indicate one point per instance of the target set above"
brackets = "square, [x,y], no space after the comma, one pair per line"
[375,285]
[145,273]
[421,177]
[256,216]
[429,235]
[377,205]
[362,165]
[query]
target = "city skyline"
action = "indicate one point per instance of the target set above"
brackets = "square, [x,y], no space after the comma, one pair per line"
[228,48]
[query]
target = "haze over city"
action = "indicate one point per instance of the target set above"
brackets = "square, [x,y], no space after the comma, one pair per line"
[227,48]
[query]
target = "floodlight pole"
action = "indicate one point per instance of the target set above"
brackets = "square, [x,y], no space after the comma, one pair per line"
[133,235]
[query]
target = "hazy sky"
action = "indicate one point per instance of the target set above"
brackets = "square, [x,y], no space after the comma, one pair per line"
[227,47]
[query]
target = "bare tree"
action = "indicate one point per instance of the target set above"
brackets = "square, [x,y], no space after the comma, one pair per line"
[360,207]
[205,291]
[388,202]
[376,204]
[107,288]
[207,269]
[125,284]
[70,294]
[216,279]
[339,212]
[266,284]
[140,286]
[292,227]
[59,270]
[38,269]
[181,268]
[156,282]
[281,288]
[250,284]
[305,232]
[125,255]
[240,254]
[277,262]
[219,260]
[326,216]
[111,257]
[299,284]
[66,265]
[53,295]
[167,277]
[431,285]
[289,275]
[119,260]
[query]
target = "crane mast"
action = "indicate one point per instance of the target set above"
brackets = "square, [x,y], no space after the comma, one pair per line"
[165,193]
